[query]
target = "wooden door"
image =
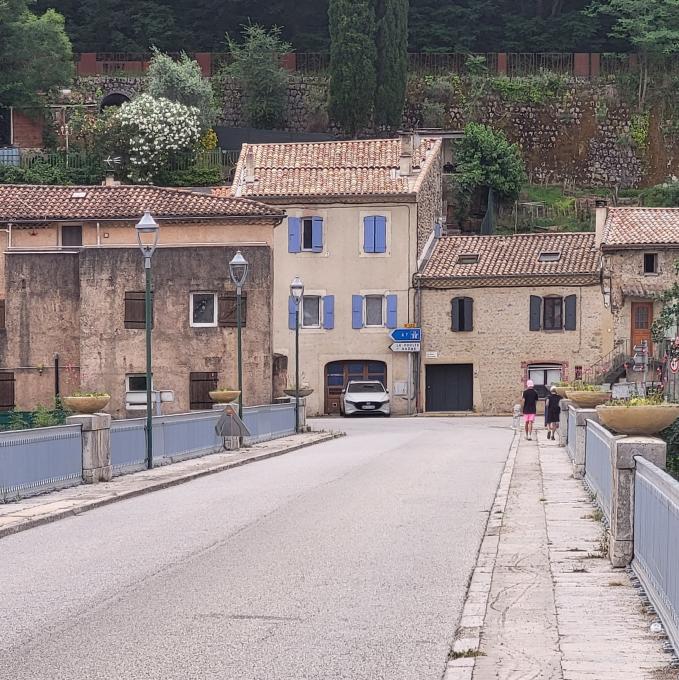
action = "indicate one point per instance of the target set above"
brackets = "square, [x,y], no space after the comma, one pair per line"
[642,319]
[200,385]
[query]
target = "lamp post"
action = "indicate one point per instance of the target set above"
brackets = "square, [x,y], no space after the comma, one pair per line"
[238,269]
[297,292]
[147,238]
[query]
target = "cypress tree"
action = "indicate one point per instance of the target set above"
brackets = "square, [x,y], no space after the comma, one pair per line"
[352,62]
[392,60]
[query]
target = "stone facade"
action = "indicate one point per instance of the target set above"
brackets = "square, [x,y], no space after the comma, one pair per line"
[429,202]
[501,347]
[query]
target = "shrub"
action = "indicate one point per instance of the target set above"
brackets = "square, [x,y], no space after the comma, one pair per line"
[664,195]
[433,114]
[191,177]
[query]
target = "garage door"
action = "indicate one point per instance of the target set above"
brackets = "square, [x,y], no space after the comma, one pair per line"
[450,387]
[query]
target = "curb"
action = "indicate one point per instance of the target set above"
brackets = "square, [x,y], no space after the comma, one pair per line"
[160,485]
[467,641]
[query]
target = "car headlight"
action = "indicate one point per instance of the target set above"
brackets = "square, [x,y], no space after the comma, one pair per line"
[349,403]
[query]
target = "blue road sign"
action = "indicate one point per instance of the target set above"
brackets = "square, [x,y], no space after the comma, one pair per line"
[406,335]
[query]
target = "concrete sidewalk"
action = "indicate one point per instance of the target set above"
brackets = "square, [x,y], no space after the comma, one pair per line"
[544,602]
[36,510]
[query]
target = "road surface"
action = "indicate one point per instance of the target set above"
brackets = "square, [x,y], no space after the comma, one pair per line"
[348,559]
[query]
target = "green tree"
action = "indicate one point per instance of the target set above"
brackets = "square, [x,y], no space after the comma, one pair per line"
[486,159]
[392,60]
[352,62]
[35,54]
[256,67]
[182,81]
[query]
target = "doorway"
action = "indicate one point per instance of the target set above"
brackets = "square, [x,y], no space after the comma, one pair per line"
[339,373]
[642,320]
[449,387]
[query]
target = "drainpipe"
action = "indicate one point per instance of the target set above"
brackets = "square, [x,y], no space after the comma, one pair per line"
[418,362]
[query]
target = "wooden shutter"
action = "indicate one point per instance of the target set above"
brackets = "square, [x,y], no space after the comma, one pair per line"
[455,314]
[368,234]
[380,234]
[2,315]
[392,312]
[135,309]
[329,312]
[535,312]
[6,391]
[317,234]
[228,310]
[294,234]
[357,311]
[570,322]
[468,309]
[200,385]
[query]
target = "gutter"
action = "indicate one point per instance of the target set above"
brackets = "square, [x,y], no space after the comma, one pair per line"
[279,217]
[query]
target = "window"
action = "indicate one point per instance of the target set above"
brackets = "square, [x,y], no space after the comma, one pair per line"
[650,263]
[136,382]
[553,316]
[549,257]
[6,391]
[544,377]
[305,234]
[311,311]
[578,372]
[374,310]
[200,386]
[375,234]
[228,310]
[135,309]
[462,314]
[203,309]
[71,236]
[468,258]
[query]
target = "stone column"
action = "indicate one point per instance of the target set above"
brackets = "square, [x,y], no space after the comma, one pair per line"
[96,437]
[563,421]
[624,451]
[582,415]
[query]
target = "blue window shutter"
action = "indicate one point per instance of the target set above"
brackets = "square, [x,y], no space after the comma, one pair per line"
[294,235]
[329,312]
[392,302]
[380,234]
[292,313]
[317,234]
[357,311]
[369,234]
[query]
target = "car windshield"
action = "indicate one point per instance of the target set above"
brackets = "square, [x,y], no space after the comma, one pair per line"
[365,387]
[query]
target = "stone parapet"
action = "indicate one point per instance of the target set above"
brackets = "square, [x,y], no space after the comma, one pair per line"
[96,442]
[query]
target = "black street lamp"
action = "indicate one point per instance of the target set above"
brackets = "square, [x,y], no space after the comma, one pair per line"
[147,238]
[238,269]
[297,292]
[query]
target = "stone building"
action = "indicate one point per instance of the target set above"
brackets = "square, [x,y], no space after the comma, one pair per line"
[359,214]
[72,289]
[498,310]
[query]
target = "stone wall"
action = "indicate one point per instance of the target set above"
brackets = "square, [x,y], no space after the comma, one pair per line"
[430,200]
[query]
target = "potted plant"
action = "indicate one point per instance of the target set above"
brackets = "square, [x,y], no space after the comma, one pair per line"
[587,396]
[87,402]
[224,395]
[638,415]
[561,388]
[304,389]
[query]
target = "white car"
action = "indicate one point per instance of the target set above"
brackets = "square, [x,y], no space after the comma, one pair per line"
[363,397]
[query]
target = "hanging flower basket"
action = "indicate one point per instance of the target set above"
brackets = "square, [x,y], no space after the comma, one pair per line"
[224,396]
[87,403]
[587,399]
[642,420]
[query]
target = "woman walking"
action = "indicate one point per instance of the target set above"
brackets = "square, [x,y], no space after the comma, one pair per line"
[553,413]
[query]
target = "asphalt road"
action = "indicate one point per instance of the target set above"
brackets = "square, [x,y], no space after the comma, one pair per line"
[349,559]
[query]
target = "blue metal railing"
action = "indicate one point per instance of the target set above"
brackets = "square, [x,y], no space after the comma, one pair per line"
[41,459]
[572,432]
[269,422]
[656,542]
[598,465]
[128,445]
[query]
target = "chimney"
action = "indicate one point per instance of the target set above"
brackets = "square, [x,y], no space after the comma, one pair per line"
[601,212]
[406,157]
[249,165]
[110,180]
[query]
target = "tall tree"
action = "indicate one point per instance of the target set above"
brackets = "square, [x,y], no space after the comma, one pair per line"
[35,54]
[392,60]
[352,62]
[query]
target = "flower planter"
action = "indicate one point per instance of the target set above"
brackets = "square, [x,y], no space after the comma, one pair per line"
[643,420]
[561,391]
[86,404]
[224,396]
[587,399]
[303,392]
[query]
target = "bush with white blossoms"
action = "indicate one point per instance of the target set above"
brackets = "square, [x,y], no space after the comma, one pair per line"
[157,130]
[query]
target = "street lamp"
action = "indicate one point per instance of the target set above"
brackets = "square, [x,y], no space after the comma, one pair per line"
[238,269]
[297,292]
[147,238]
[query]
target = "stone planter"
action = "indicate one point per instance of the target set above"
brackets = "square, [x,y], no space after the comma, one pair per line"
[561,391]
[586,399]
[641,420]
[224,396]
[86,404]
[304,392]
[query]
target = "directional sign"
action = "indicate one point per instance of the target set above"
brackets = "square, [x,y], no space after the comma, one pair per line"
[405,347]
[406,335]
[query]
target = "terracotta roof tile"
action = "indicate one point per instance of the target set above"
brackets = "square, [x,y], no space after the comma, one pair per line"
[511,260]
[345,168]
[28,202]
[629,227]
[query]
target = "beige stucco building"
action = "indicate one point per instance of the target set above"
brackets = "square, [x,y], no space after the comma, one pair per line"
[498,310]
[72,295]
[359,214]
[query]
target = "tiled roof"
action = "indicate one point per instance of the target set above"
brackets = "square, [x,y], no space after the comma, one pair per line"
[512,260]
[313,169]
[629,227]
[28,202]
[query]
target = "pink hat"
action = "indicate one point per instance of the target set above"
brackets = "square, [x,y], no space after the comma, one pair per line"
[530,383]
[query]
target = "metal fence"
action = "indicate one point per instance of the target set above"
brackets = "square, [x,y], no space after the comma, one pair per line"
[269,422]
[185,435]
[598,466]
[656,542]
[128,445]
[572,432]
[37,460]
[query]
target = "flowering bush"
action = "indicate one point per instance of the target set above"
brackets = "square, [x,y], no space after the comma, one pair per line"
[157,130]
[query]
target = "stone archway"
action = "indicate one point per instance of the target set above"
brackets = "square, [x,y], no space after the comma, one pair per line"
[114,99]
